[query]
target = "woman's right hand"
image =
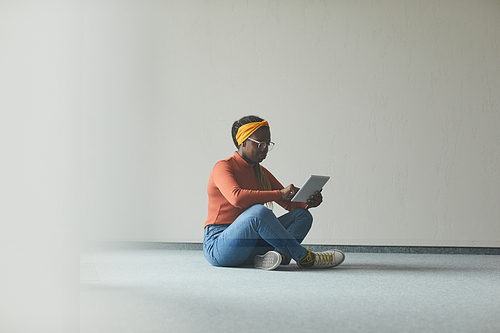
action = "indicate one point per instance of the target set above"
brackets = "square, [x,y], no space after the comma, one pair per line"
[288,192]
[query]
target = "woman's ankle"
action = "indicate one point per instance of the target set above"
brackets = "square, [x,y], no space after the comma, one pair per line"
[308,260]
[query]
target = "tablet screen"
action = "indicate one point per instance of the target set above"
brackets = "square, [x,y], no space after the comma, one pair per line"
[313,184]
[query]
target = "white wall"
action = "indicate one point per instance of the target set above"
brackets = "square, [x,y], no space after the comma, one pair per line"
[396,100]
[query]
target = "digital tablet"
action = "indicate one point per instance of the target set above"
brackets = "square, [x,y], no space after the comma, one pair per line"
[313,184]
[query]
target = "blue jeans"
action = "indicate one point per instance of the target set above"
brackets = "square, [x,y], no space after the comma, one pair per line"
[256,231]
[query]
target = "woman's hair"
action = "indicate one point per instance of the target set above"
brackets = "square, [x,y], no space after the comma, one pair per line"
[262,180]
[243,121]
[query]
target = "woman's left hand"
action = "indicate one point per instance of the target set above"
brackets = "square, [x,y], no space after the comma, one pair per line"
[315,200]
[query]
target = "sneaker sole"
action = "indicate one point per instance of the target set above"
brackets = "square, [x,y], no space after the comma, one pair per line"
[269,261]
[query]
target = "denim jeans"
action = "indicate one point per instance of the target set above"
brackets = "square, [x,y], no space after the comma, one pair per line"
[256,231]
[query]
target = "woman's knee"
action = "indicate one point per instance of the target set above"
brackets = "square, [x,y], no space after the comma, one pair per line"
[305,215]
[260,211]
[258,214]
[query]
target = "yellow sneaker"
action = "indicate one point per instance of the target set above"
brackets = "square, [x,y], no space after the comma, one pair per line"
[327,259]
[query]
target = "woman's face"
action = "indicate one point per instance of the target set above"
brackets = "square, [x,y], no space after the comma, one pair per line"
[248,149]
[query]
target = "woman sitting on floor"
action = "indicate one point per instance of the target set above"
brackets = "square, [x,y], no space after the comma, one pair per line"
[240,229]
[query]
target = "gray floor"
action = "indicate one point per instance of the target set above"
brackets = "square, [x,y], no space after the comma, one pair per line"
[154,290]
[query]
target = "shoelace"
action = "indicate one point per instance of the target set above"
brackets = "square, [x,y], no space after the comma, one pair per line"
[324,258]
[308,256]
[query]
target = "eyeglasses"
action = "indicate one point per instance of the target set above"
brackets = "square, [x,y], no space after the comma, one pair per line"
[263,145]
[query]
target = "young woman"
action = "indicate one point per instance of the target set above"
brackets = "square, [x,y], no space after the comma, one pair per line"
[240,229]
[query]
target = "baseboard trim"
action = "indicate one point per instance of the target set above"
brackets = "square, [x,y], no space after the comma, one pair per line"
[121,245]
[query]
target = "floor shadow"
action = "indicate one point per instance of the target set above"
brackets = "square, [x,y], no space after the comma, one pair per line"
[387,267]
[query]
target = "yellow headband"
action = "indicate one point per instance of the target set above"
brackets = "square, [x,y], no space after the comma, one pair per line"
[246,130]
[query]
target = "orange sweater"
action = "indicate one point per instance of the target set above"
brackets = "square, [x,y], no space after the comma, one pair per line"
[232,189]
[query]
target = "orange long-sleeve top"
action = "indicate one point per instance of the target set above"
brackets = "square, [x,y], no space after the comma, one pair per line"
[232,189]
